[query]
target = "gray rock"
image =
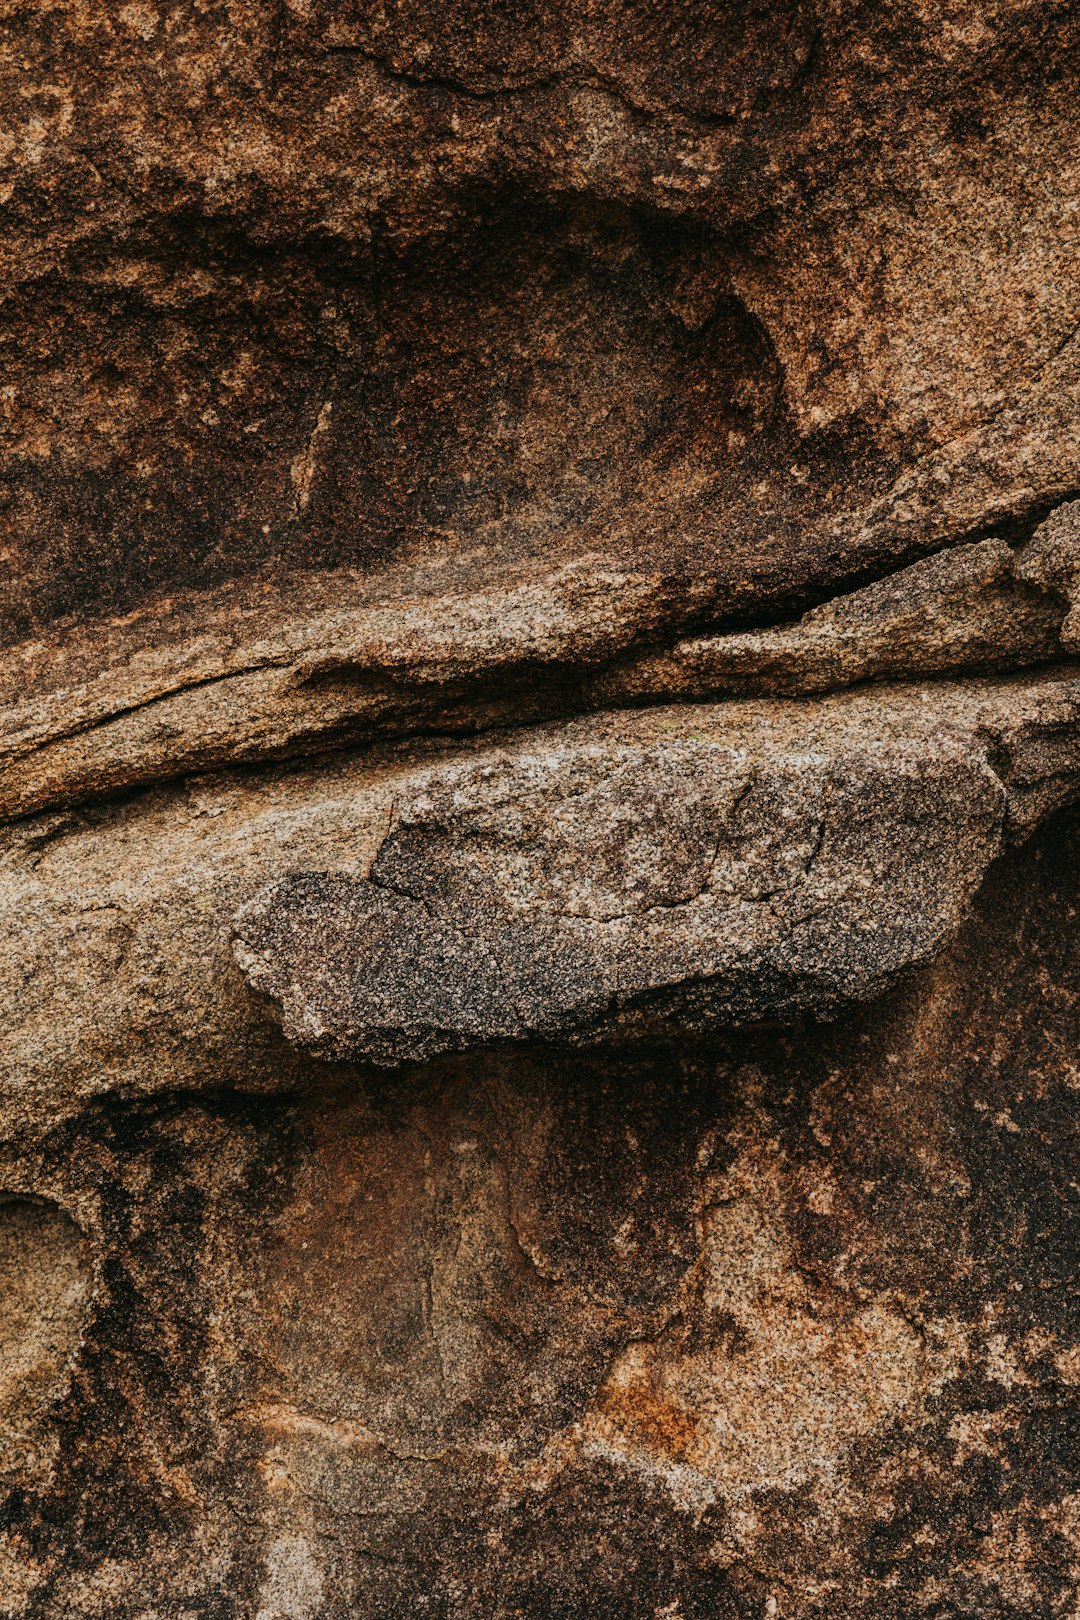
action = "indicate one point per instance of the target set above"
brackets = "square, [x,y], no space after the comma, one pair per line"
[634,875]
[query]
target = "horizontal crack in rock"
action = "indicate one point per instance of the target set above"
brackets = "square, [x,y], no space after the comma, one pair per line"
[977,605]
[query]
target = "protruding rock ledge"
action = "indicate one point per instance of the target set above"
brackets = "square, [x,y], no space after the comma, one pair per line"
[258,672]
[972,607]
[118,972]
[685,868]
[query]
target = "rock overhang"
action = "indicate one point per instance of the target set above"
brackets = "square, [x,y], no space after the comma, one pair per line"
[902,792]
[706,867]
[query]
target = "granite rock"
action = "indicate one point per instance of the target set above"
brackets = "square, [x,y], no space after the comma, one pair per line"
[538,757]
[696,868]
[249,674]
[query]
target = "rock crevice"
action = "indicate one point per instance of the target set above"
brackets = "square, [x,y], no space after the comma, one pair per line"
[260,680]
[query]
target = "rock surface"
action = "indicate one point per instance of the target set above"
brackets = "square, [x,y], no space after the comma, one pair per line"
[776,1319]
[757,296]
[686,869]
[539,758]
[252,674]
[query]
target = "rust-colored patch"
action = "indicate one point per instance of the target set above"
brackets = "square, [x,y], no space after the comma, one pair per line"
[646,1415]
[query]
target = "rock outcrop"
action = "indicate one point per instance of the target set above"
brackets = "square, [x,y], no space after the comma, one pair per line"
[539,777]
[666,873]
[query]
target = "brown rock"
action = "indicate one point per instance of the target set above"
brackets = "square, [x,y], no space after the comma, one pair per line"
[563,520]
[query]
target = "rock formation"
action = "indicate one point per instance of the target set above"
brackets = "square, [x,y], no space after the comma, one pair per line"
[539,790]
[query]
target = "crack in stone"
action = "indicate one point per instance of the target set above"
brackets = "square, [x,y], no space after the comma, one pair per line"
[584,686]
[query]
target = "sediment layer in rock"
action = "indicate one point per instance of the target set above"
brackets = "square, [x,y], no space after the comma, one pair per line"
[249,674]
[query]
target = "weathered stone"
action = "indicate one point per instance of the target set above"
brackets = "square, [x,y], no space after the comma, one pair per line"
[45,1295]
[731,289]
[702,1325]
[255,673]
[691,868]
[564,520]
[973,607]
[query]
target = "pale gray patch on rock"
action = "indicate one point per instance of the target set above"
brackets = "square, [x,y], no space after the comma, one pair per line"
[621,889]
[293,1587]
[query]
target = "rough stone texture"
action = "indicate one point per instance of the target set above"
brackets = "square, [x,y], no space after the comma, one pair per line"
[253,674]
[791,1318]
[539,752]
[694,867]
[756,295]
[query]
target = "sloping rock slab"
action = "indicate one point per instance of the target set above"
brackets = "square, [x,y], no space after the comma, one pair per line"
[631,874]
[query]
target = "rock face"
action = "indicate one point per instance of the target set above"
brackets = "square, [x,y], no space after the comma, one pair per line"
[701,867]
[539,777]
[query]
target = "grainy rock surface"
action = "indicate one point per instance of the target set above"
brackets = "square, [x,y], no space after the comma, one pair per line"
[693,867]
[539,776]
